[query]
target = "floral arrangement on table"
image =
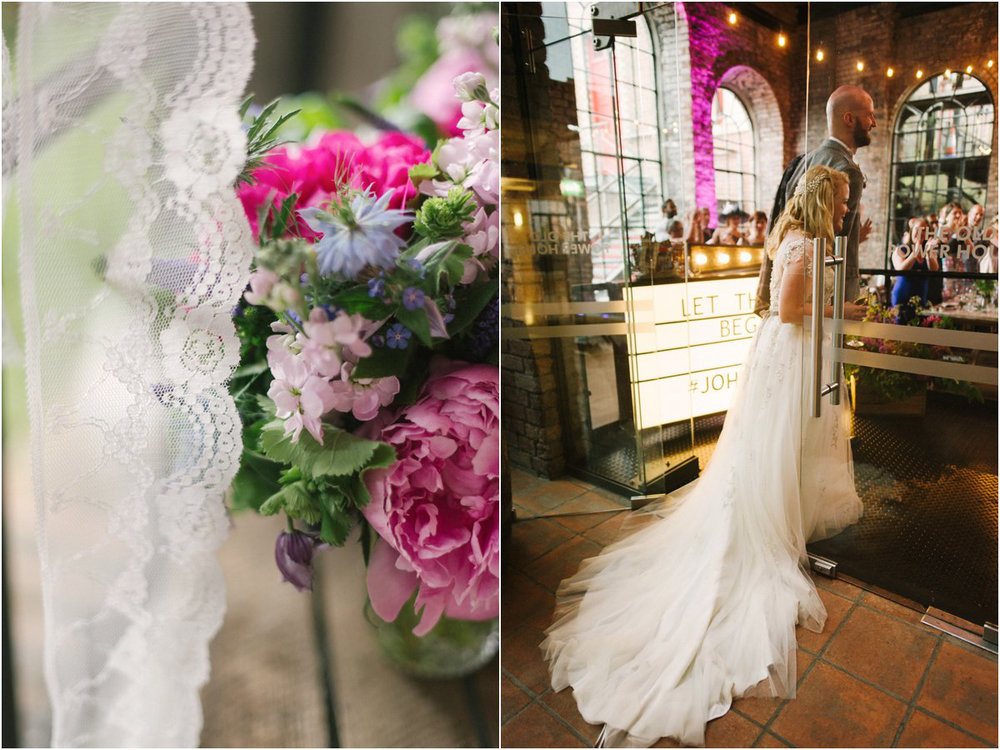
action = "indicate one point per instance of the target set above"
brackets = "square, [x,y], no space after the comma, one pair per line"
[368,383]
[891,385]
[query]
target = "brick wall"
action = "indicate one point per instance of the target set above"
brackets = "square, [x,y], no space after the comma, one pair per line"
[876,35]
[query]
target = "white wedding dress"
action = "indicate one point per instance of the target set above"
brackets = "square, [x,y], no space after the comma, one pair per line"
[659,633]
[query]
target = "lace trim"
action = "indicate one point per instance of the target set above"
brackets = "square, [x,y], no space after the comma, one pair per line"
[128,146]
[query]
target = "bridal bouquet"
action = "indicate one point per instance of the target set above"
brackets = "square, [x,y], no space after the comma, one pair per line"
[368,383]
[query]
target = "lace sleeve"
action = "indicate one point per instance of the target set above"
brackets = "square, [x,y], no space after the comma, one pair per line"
[799,249]
[134,250]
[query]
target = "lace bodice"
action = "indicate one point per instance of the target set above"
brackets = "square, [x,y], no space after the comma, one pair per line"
[791,250]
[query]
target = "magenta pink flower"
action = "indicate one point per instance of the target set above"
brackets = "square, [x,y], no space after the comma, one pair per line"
[436,508]
[314,172]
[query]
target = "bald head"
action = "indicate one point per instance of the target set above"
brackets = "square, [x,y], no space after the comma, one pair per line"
[850,116]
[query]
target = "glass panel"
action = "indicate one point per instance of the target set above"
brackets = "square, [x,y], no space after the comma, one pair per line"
[578,198]
[919,373]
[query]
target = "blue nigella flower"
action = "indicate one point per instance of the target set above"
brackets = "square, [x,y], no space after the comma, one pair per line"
[376,286]
[413,298]
[358,234]
[378,341]
[398,336]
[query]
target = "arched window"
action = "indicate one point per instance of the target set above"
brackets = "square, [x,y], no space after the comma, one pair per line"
[734,153]
[622,79]
[942,143]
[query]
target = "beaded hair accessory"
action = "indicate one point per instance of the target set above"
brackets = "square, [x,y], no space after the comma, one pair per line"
[809,187]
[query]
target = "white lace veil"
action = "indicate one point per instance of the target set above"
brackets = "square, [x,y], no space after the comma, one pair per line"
[122,138]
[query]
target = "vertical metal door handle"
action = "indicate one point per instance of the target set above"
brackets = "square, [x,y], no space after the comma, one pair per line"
[840,273]
[818,266]
[820,262]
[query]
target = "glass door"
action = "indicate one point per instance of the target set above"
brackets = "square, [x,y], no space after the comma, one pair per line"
[582,190]
[916,378]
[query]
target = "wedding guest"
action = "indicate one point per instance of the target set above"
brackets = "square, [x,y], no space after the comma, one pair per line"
[662,231]
[706,221]
[974,218]
[697,223]
[758,228]
[676,231]
[729,233]
[956,252]
[914,253]
[988,263]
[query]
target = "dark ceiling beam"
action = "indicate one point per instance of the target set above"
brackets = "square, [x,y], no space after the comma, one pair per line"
[754,12]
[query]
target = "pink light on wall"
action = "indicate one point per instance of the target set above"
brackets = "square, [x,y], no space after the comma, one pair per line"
[711,38]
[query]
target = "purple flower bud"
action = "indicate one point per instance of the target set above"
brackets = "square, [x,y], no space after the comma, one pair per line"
[293,552]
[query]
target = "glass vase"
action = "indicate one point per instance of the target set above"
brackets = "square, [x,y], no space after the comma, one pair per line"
[452,648]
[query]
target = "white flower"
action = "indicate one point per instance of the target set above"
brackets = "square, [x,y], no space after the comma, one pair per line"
[470,87]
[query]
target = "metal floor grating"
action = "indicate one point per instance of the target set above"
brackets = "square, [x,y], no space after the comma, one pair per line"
[620,462]
[929,485]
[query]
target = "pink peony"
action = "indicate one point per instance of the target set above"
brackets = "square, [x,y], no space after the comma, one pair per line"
[436,508]
[314,172]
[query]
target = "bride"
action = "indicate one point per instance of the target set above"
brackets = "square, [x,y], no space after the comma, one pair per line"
[659,633]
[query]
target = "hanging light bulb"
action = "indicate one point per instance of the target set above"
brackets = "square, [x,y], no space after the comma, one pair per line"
[989,64]
[518,219]
[732,18]
[782,40]
[968,69]
[920,74]
[819,55]
[889,72]
[861,66]
[947,72]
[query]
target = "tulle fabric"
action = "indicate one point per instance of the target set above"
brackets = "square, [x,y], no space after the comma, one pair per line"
[698,603]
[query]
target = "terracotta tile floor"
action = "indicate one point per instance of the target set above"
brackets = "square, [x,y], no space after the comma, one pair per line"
[875,677]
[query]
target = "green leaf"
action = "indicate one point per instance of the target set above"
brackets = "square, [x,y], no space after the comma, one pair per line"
[341,453]
[255,482]
[296,501]
[384,362]
[470,303]
[416,321]
[335,528]
[420,172]
[356,300]
[254,368]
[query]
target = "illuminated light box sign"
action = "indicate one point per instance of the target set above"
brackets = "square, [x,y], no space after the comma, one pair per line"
[690,364]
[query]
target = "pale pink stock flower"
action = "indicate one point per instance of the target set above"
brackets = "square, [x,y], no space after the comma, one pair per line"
[363,397]
[261,282]
[436,509]
[321,348]
[351,331]
[434,93]
[482,234]
[301,397]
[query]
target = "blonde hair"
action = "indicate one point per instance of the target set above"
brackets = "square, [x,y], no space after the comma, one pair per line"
[810,209]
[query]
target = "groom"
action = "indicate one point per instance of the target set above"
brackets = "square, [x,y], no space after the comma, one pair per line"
[850,118]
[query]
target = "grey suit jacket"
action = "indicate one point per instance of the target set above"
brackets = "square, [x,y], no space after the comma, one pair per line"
[835,154]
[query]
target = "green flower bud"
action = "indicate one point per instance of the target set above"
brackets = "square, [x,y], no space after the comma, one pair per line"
[442,218]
